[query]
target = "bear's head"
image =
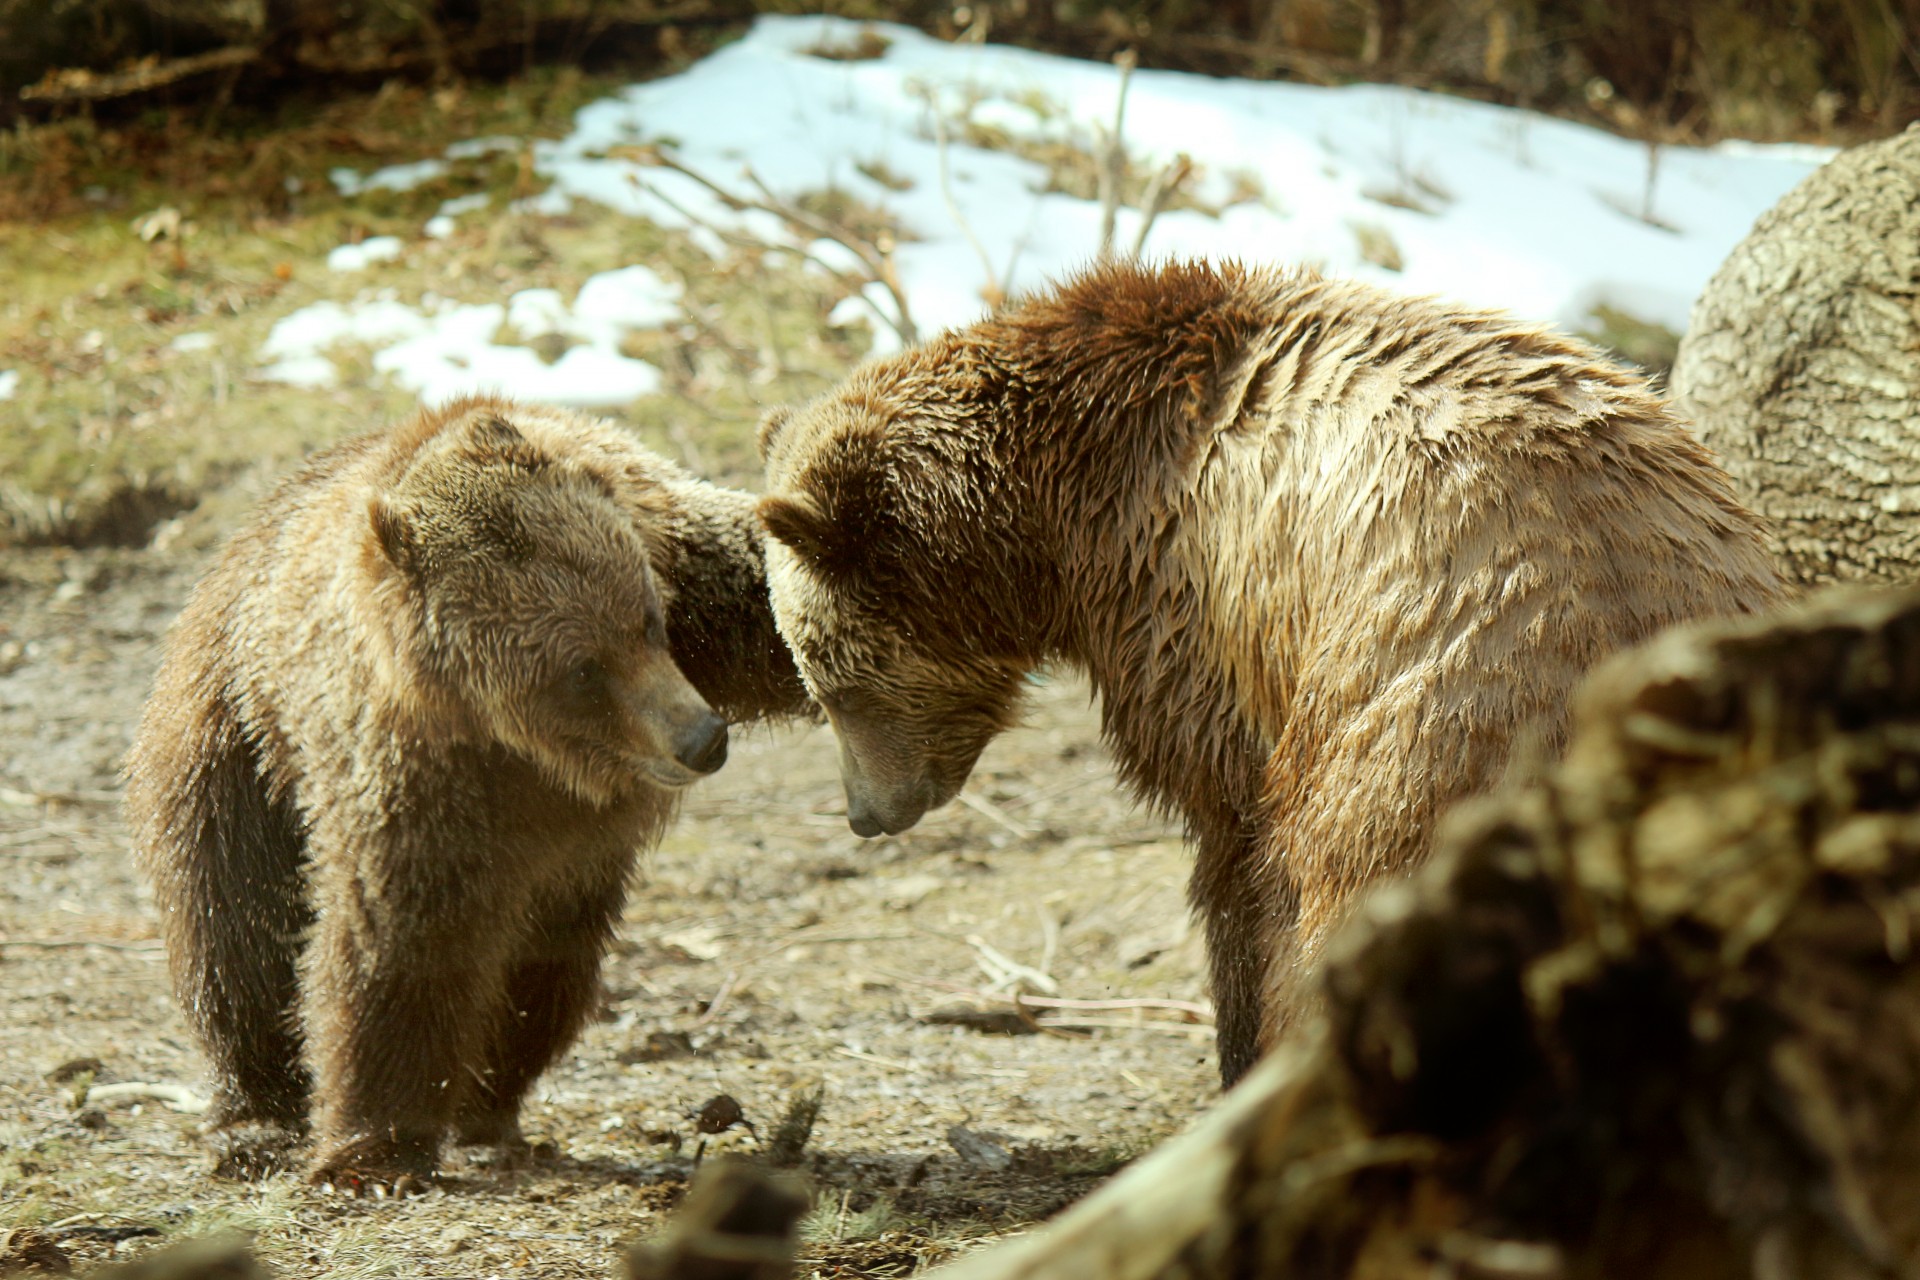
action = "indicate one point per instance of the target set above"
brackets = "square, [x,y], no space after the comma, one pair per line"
[530,605]
[880,591]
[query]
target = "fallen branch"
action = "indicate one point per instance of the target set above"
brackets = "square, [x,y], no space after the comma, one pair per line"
[269,70]
[71,87]
[174,1097]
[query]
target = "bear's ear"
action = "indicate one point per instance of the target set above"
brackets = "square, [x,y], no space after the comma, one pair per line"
[490,428]
[844,513]
[798,522]
[772,423]
[493,436]
[393,531]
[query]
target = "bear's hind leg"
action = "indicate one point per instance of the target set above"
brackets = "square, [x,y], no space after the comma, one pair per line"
[224,857]
[552,988]
[1250,915]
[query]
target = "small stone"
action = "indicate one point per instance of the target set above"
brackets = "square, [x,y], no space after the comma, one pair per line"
[453,1239]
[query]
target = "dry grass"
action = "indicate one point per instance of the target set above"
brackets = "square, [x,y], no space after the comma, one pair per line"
[113,427]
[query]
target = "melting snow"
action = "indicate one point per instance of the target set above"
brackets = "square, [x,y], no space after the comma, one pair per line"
[1489,205]
[358,257]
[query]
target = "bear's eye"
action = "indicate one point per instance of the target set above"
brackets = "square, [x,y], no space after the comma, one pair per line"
[584,687]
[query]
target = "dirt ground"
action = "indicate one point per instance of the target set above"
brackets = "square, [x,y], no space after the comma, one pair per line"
[767,950]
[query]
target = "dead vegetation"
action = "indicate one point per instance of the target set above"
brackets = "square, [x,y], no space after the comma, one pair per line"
[137,354]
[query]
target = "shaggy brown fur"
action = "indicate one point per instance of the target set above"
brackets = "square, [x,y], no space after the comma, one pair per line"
[1332,559]
[407,739]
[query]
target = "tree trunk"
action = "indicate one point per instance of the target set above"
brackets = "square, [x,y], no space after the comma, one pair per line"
[1801,367]
[1657,1016]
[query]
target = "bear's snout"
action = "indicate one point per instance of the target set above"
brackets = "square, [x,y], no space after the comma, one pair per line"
[862,820]
[888,816]
[702,745]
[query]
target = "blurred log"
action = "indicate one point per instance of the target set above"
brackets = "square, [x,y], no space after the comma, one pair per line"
[71,87]
[212,1258]
[1657,1015]
[737,1224]
[1801,367]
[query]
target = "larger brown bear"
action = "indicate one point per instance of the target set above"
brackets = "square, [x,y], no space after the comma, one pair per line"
[1332,559]
[407,739]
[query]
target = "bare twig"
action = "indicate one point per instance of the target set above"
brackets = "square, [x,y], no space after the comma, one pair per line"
[1006,971]
[995,291]
[719,998]
[1113,154]
[1165,181]
[988,809]
[1200,1014]
[861,1055]
[174,1097]
[1123,1024]
[875,256]
[69,944]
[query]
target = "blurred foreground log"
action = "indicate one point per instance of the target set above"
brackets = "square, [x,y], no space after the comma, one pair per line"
[1656,1016]
[738,1223]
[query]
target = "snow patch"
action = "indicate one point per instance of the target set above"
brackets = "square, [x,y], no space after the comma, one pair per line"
[1486,205]
[358,257]
[443,349]
[395,177]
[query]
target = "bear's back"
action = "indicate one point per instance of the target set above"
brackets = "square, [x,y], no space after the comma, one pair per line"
[1450,500]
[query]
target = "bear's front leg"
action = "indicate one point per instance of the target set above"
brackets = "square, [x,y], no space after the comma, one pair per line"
[553,983]
[403,978]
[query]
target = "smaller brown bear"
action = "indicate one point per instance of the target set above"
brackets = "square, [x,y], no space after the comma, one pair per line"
[407,739]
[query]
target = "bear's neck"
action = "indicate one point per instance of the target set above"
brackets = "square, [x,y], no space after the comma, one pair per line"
[721,623]
[1091,480]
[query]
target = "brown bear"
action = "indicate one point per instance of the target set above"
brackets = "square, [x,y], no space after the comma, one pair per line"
[406,741]
[1331,558]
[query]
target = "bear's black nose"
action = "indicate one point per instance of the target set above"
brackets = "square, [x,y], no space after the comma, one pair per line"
[702,746]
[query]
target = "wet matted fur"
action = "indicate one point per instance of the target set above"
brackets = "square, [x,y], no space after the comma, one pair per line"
[1332,559]
[407,739]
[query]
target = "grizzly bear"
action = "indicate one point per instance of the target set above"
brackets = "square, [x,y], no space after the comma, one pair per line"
[1331,558]
[407,739]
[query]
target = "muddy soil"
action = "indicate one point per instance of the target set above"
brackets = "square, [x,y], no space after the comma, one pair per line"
[767,951]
